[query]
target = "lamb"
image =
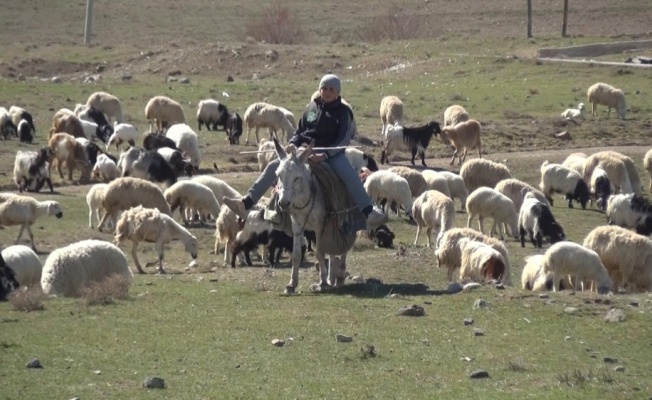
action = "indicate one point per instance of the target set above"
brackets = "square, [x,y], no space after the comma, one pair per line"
[23,211]
[575,162]
[607,95]
[482,172]
[193,195]
[631,211]
[227,227]
[25,132]
[264,115]
[105,169]
[176,160]
[582,264]
[69,269]
[647,164]
[67,122]
[517,190]
[25,263]
[124,193]
[18,114]
[187,142]
[94,199]
[359,159]
[433,210]
[383,184]
[31,166]
[573,114]
[487,202]
[123,133]
[140,224]
[600,187]
[209,112]
[415,180]
[463,135]
[153,141]
[557,178]
[480,261]
[266,154]
[615,168]
[449,253]
[107,104]
[456,186]
[165,112]
[148,165]
[65,148]
[435,181]
[416,139]
[234,128]
[454,115]
[536,219]
[391,113]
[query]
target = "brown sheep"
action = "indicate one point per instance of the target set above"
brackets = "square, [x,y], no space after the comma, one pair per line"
[68,123]
[66,149]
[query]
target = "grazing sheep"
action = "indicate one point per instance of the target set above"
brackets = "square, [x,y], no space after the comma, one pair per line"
[463,135]
[7,126]
[18,114]
[264,115]
[65,148]
[630,166]
[266,153]
[534,277]
[573,114]
[123,133]
[69,269]
[32,167]
[435,181]
[536,219]
[23,211]
[454,115]
[626,255]
[359,159]
[615,168]
[66,122]
[600,187]
[647,164]
[557,178]
[140,224]
[24,132]
[25,263]
[147,164]
[456,186]
[227,226]
[575,162]
[234,128]
[582,264]
[415,179]
[94,199]
[480,261]
[414,139]
[607,95]
[449,253]
[108,104]
[386,185]
[187,142]
[193,195]
[209,112]
[391,113]
[219,187]
[517,190]
[165,112]
[482,172]
[433,210]
[105,169]
[153,141]
[631,211]
[487,202]
[125,193]
[179,164]
[8,282]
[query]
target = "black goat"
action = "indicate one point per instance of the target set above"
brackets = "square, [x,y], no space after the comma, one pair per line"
[274,241]
[234,128]
[153,141]
[415,139]
[151,164]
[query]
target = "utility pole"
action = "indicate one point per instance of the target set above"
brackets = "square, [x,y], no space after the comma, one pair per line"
[529,19]
[88,28]
[565,23]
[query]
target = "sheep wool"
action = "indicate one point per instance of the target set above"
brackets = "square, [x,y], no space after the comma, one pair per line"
[482,172]
[582,264]
[480,261]
[487,202]
[454,115]
[25,263]
[607,95]
[391,112]
[433,210]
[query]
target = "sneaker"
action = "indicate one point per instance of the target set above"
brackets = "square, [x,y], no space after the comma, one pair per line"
[376,218]
[237,206]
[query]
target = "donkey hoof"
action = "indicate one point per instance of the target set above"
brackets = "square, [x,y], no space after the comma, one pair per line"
[289,290]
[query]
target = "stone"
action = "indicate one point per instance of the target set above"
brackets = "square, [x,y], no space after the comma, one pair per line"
[479,303]
[171,79]
[615,315]
[271,55]
[544,296]
[126,77]
[500,286]
[479,374]
[278,342]
[619,368]
[610,360]
[35,363]
[153,382]
[340,338]
[56,79]
[468,321]
[229,78]
[100,68]
[455,287]
[478,332]
[633,303]
[571,310]
[184,80]
[412,311]
[565,135]
[472,285]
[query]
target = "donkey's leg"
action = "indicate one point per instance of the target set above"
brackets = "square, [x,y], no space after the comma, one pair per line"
[296,257]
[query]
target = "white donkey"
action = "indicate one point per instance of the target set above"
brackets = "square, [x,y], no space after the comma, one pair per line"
[300,195]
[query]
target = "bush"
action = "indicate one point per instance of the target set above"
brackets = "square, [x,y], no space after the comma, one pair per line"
[393,25]
[106,291]
[277,25]
[27,300]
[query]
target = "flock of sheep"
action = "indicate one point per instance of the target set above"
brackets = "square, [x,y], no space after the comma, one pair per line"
[146,186]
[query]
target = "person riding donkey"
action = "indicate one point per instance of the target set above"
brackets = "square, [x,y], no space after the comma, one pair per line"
[328,123]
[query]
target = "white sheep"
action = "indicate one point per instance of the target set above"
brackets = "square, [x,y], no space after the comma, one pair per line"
[105,168]
[264,115]
[140,224]
[187,142]
[415,179]
[386,185]
[31,169]
[573,114]
[482,172]
[24,210]
[164,111]
[479,261]
[18,114]
[557,178]
[630,166]
[487,202]
[456,186]
[517,190]
[192,195]
[575,161]
[91,130]
[433,210]
[582,264]
[535,278]
[455,114]
[607,95]
[69,269]
[123,133]
[391,113]
[209,112]
[465,135]
[630,210]
[108,104]
[358,159]
[536,219]
[615,168]
[219,188]
[647,164]
[25,263]
[435,181]
[266,153]
[226,230]
[94,199]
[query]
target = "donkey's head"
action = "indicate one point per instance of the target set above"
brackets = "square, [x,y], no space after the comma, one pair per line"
[293,176]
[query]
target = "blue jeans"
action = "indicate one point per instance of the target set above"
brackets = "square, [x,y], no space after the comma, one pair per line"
[340,165]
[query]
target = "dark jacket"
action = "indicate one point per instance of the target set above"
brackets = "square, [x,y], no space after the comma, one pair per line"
[330,125]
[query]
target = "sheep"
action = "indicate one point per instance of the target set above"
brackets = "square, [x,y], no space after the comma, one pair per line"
[600,187]
[359,159]
[219,187]
[482,172]
[435,181]
[187,142]
[557,178]
[7,126]
[487,202]
[433,210]
[105,169]
[23,211]
[647,164]
[148,165]
[63,121]
[571,114]
[153,141]
[388,185]
[69,269]
[266,153]
[264,115]
[127,192]
[607,95]
[630,166]
[536,219]
[575,162]
[25,132]
[25,263]
[534,277]
[209,112]
[8,282]
[615,168]
[91,149]
[631,211]
[449,253]
[31,166]
[165,112]
[108,104]
[414,139]
[582,264]
[140,224]
[415,179]
[290,117]
[455,114]
[382,237]
[479,261]
[465,135]
[92,114]
[234,128]
[18,114]
[391,113]
[227,227]
[93,131]
[176,160]
[123,133]
[94,199]
[66,149]
[517,190]
[193,195]
[456,186]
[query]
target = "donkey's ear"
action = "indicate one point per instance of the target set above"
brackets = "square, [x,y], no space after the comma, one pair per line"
[279,149]
[306,153]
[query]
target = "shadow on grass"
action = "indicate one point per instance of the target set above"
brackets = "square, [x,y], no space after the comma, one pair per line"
[378,289]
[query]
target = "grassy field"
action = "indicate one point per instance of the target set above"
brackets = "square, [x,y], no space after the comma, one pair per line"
[208,332]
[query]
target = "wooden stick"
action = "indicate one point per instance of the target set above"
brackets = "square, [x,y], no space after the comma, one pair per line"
[313,149]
